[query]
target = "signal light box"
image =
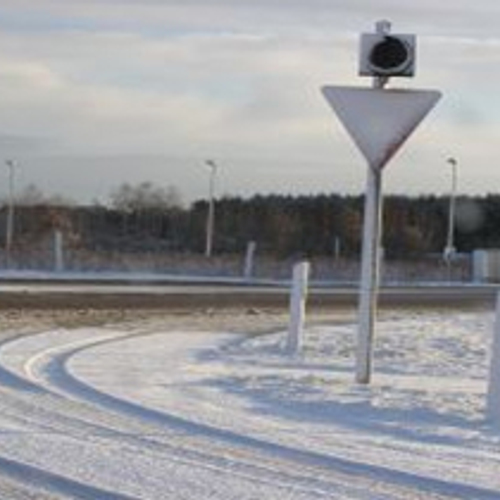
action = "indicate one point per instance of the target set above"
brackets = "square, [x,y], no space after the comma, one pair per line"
[387,55]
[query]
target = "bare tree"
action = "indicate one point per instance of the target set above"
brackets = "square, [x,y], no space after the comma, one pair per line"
[32,195]
[145,196]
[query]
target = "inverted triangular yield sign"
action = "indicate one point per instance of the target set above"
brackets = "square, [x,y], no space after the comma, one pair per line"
[380,120]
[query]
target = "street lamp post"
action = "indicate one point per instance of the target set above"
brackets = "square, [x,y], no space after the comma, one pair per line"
[449,249]
[10,214]
[211,209]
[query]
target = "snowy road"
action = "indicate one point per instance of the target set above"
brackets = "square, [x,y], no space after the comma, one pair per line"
[141,413]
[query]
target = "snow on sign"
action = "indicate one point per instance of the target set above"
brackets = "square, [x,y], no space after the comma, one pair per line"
[380,120]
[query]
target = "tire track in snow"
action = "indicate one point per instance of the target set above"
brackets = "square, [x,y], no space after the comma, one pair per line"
[30,476]
[34,476]
[188,456]
[50,368]
[58,375]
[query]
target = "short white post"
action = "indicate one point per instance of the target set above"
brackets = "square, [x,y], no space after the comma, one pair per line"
[249,259]
[58,251]
[336,251]
[298,299]
[493,398]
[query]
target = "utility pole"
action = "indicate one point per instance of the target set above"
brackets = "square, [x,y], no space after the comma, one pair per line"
[211,209]
[449,250]
[10,215]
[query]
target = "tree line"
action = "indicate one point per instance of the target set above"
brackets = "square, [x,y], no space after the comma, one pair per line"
[146,218]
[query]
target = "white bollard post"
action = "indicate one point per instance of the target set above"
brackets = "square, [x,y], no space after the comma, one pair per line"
[58,251]
[298,299]
[493,398]
[249,259]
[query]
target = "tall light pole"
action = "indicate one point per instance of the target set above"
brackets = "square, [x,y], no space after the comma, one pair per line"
[211,211]
[449,249]
[10,214]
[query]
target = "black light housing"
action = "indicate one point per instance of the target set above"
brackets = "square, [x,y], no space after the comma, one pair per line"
[387,55]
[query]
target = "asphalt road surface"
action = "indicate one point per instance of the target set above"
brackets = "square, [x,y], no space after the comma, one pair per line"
[133,295]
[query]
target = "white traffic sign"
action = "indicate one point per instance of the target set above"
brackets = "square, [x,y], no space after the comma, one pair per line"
[380,120]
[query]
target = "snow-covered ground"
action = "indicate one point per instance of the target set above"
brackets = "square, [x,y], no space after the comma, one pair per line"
[140,412]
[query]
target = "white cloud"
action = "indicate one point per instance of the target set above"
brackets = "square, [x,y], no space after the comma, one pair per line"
[236,80]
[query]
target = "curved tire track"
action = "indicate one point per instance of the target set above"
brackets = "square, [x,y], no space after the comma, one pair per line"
[256,459]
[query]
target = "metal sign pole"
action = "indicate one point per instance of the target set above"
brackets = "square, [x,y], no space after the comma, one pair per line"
[370,265]
[379,121]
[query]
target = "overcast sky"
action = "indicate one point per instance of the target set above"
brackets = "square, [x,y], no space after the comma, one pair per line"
[94,93]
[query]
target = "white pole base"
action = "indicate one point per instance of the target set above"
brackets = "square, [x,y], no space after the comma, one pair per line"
[298,297]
